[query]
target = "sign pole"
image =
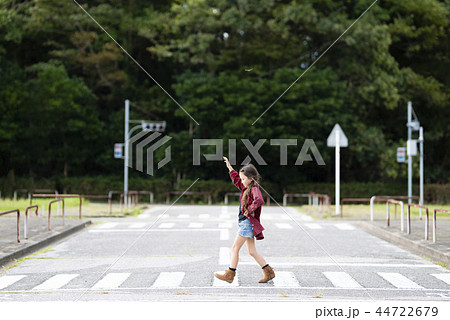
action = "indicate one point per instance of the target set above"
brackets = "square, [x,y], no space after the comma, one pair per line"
[409,155]
[337,139]
[338,173]
[125,163]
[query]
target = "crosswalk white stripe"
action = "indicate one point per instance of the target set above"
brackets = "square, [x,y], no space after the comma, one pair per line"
[399,281]
[283,225]
[225,225]
[203,216]
[224,209]
[344,226]
[166,225]
[285,279]
[342,280]
[313,225]
[111,281]
[443,276]
[169,280]
[136,225]
[195,225]
[224,234]
[108,225]
[183,216]
[6,281]
[56,282]
[306,218]
[224,256]
[220,283]
[224,216]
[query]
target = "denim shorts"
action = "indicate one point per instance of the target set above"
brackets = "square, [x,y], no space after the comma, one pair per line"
[245,228]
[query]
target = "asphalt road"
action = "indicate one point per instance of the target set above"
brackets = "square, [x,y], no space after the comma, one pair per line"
[173,257]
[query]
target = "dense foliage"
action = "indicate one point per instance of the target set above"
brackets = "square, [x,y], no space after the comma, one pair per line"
[63,82]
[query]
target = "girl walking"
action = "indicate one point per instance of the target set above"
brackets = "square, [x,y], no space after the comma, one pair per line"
[250,204]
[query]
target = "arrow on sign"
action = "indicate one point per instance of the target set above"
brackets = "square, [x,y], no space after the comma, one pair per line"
[331,141]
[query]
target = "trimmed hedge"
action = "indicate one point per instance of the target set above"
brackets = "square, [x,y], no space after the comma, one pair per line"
[101,185]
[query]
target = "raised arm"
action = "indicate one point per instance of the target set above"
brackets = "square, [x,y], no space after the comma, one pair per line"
[236,179]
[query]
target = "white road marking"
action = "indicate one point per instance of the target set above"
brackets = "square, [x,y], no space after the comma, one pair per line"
[344,226]
[166,225]
[195,225]
[6,281]
[203,216]
[342,280]
[399,281]
[224,209]
[56,282]
[108,225]
[224,216]
[220,283]
[285,279]
[225,225]
[443,276]
[313,225]
[224,234]
[283,225]
[224,256]
[136,225]
[183,216]
[169,280]
[163,229]
[111,281]
[306,218]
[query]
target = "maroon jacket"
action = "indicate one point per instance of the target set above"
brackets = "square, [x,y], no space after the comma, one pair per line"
[254,203]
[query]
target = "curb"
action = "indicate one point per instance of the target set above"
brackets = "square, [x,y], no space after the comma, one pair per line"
[431,253]
[44,243]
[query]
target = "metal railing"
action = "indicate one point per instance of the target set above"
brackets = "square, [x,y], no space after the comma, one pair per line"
[59,196]
[297,195]
[385,198]
[388,218]
[18,220]
[409,218]
[25,230]
[434,221]
[50,210]
[320,199]
[225,200]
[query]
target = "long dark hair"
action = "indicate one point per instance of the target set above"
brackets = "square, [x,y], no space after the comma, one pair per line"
[250,172]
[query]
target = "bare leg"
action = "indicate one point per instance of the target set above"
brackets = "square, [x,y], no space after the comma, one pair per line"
[252,251]
[237,245]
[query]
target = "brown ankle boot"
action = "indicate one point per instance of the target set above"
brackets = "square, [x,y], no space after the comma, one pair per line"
[227,276]
[269,274]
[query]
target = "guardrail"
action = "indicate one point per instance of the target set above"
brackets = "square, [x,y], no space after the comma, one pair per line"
[384,198]
[296,195]
[409,218]
[320,199]
[59,196]
[189,193]
[50,210]
[388,218]
[18,220]
[434,221]
[25,231]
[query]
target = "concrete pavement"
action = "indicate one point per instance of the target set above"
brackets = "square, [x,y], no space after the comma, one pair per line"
[171,254]
[38,235]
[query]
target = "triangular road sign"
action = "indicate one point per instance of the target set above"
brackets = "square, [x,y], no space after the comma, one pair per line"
[331,141]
